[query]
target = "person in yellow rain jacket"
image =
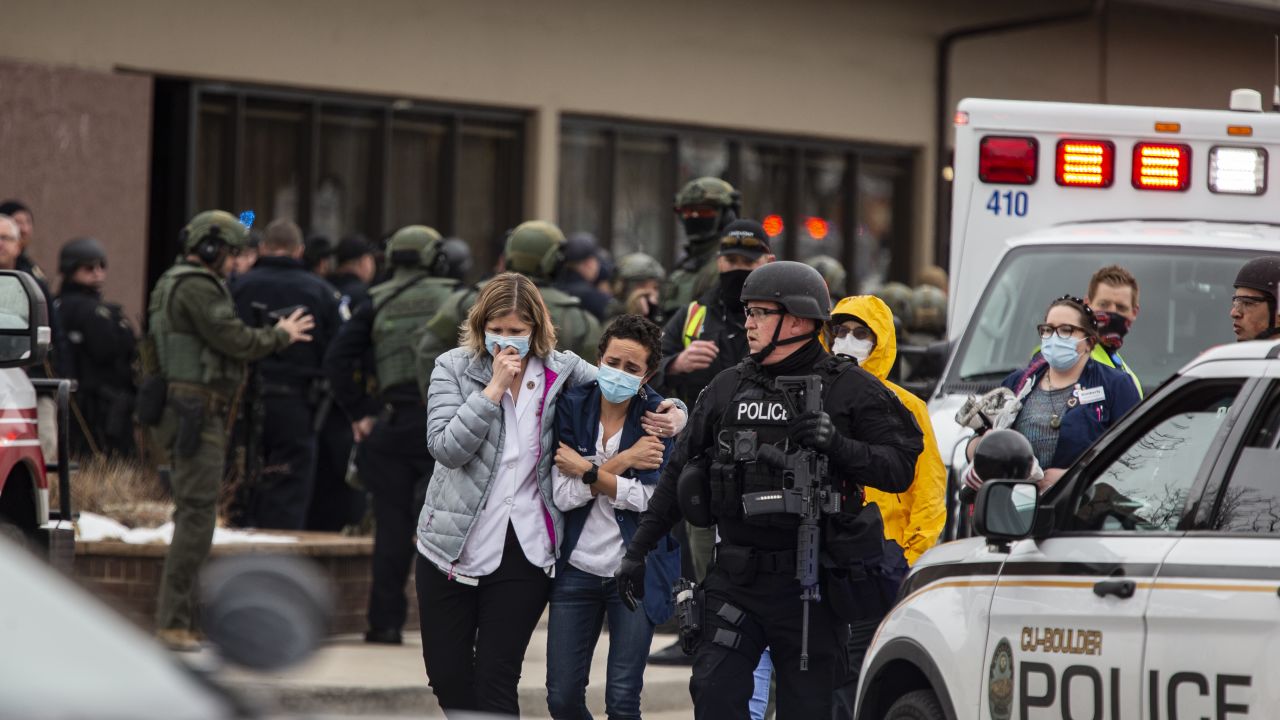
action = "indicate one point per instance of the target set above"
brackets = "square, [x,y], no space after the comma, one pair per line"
[862,328]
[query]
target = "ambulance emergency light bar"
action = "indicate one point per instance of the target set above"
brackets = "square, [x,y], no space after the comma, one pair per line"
[1089,163]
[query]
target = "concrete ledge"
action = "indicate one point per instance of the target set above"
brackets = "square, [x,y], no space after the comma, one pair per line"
[127,576]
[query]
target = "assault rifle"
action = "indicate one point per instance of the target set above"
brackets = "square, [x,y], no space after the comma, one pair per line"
[805,492]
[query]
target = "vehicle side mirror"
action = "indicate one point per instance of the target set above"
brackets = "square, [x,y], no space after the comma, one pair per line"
[24,320]
[1006,509]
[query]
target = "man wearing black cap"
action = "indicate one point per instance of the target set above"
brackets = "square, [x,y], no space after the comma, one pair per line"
[355,270]
[317,255]
[702,339]
[103,348]
[580,272]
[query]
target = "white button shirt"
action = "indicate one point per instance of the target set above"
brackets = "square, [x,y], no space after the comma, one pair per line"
[599,547]
[514,497]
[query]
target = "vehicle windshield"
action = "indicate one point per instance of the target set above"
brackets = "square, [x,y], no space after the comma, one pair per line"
[1184,300]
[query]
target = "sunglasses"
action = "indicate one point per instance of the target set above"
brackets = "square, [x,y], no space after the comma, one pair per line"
[858,333]
[748,242]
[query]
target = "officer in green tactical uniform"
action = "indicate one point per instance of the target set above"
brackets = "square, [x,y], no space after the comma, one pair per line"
[705,206]
[390,430]
[195,352]
[535,248]
[637,287]
[833,272]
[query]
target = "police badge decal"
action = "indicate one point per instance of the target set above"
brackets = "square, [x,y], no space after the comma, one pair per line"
[1000,682]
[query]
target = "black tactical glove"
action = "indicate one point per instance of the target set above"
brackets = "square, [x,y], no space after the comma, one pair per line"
[630,579]
[815,431]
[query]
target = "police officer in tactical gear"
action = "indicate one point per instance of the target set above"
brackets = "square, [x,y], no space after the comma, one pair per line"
[458,253]
[637,287]
[290,381]
[535,249]
[355,270]
[197,349]
[1253,307]
[705,207]
[580,273]
[103,348]
[390,429]
[750,596]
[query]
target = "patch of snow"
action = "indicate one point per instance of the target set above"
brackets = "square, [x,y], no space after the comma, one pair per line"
[93,528]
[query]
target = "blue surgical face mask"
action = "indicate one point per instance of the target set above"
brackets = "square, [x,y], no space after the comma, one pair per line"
[617,386]
[1060,353]
[519,342]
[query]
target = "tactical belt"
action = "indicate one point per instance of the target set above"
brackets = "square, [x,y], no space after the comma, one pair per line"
[770,561]
[218,403]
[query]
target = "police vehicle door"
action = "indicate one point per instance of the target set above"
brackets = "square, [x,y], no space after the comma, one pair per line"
[1067,617]
[1213,621]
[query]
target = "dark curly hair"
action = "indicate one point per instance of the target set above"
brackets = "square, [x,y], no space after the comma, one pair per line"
[1088,322]
[637,328]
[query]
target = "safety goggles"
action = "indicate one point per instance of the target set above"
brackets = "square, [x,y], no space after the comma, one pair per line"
[745,242]
[760,313]
[1244,302]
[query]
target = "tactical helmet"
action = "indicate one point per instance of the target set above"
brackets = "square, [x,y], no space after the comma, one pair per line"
[535,248]
[798,288]
[1003,455]
[713,192]
[637,267]
[1261,274]
[416,246]
[457,253]
[214,226]
[898,297]
[935,276]
[832,271]
[928,310]
[78,252]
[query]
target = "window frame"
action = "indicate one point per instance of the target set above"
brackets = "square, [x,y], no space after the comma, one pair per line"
[456,117]
[1266,393]
[794,147]
[1065,496]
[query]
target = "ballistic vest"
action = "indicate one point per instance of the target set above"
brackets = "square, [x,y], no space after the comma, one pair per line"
[402,306]
[185,357]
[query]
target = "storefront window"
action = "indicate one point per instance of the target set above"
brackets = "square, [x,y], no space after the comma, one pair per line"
[585,181]
[877,249]
[488,177]
[340,202]
[271,160]
[414,190]
[642,213]
[766,179]
[819,226]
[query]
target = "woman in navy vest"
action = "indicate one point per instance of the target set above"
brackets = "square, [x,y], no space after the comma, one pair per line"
[606,469]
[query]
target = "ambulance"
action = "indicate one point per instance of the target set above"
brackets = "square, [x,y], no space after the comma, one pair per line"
[1143,584]
[1046,193]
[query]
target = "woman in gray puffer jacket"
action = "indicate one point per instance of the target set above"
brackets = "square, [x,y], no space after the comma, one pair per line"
[489,531]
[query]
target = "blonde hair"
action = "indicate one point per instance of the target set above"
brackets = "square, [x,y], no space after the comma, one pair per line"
[505,294]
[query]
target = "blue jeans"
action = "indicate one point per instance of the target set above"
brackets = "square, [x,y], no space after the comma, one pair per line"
[760,696]
[579,602]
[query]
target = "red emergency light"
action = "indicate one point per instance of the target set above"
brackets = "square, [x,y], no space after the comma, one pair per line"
[772,225]
[1007,160]
[817,227]
[1086,163]
[1161,166]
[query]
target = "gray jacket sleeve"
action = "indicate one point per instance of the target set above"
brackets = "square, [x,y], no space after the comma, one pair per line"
[456,425]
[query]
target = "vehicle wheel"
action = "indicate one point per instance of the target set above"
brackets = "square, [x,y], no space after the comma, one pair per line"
[916,705]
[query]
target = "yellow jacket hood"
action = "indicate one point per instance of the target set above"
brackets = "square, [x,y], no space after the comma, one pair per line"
[875,314]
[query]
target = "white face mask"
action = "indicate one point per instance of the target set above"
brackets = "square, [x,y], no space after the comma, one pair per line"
[857,349]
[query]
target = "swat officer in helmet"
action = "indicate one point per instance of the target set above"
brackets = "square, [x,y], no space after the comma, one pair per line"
[1253,307]
[389,429]
[749,599]
[637,285]
[832,270]
[535,249]
[705,207]
[196,350]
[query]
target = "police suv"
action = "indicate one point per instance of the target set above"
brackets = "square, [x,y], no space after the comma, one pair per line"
[1142,585]
[1044,194]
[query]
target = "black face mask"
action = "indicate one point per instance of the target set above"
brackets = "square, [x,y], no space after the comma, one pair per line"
[1112,327]
[731,290]
[701,229]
